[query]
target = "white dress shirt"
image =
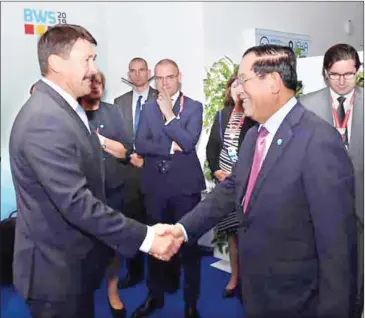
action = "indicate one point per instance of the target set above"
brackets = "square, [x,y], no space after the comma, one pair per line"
[346,106]
[147,243]
[272,125]
[135,99]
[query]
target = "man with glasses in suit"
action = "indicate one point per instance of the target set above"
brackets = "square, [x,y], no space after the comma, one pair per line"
[341,104]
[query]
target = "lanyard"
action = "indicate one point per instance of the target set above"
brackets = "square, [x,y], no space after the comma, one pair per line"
[342,127]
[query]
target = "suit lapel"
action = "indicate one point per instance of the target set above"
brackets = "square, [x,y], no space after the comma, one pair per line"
[127,112]
[92,138]
[327,111]
[278,145]
[152,94]
[60,101]
[245,163]
[357,123]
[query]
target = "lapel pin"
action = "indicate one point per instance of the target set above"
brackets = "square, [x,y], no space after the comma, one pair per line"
[279,142]
[101,126]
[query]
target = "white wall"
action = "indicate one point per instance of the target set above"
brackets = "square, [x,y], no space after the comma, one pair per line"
[322,21]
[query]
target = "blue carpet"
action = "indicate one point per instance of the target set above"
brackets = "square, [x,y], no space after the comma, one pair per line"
[210,305]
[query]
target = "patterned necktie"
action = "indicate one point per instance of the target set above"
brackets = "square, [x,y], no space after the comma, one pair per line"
[341,116]
[256,166]
[137,114]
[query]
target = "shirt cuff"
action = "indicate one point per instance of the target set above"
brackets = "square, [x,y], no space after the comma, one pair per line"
[147,243]
[169,121]
[171,149]
[184,231]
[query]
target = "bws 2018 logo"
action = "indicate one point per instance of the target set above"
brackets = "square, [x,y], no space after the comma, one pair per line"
[39,21]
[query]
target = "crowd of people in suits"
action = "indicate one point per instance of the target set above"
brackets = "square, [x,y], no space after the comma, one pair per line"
[96,181]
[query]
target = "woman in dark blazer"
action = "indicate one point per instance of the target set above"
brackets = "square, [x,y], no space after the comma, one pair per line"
[109,126]
[229,128]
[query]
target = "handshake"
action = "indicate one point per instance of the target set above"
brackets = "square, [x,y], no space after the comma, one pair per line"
[167,241]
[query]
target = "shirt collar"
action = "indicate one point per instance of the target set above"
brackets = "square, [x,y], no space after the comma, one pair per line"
[69,99]
[273,123]
[174,98]
[347,96]
[143,94]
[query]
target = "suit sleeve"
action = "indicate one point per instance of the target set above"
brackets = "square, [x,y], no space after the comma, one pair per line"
[120,127]
[214,146]
[215,207]
[145,144]
[329,187]
[52,154]
[187,137]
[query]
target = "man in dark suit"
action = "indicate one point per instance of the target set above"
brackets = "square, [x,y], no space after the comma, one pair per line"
[130,105]
[341,64]
[64,232]
[172,180]
[293,186]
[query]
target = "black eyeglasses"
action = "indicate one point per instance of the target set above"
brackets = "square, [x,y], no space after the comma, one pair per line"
[346,76]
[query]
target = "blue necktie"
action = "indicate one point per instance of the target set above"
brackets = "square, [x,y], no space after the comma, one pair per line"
[137,115]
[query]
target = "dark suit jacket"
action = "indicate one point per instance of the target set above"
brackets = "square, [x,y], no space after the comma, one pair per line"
[124,104]
[132,175]
[111,125]
[297,239]
[319,102]
[153,142]
[215,144]
[63,228]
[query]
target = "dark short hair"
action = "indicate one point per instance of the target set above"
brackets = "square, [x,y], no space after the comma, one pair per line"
[60,40]
[340,52]
[138,59]
[276,58]
[228,100]
[167,61]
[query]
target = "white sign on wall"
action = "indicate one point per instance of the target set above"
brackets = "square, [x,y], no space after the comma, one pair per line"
[292,40]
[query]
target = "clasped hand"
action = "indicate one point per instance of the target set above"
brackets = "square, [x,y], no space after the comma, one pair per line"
[167,241]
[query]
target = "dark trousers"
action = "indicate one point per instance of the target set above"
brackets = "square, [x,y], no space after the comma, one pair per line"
[75,306]
[134,208]
[123,200]
[164,276]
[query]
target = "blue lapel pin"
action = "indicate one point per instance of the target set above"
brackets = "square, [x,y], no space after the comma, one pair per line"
[101,126]
[279,141]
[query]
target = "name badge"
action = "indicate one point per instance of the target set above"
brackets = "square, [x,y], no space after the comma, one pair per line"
[232,153]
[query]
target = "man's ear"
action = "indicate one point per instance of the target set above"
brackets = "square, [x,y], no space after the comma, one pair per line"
[55,63]
[275,82]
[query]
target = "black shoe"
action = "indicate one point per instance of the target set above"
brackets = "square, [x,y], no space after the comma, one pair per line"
[191,311]
[118,313]
[129,281]
[149,306]
[229,293]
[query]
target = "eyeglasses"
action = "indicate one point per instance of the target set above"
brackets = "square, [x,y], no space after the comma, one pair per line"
[242,81]
[168,78]
[96,82]
[346,76]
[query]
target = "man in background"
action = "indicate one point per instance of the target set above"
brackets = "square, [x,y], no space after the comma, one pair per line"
[130,105]
[341,104]
[172,181]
